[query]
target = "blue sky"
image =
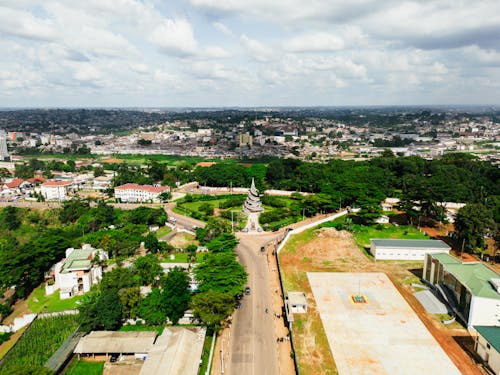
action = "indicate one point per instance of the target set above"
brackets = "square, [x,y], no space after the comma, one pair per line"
[248,53]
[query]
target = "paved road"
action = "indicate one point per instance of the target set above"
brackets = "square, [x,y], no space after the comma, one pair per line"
[181,220]
[253,349]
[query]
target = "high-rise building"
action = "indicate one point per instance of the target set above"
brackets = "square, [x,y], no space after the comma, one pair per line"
[4,152]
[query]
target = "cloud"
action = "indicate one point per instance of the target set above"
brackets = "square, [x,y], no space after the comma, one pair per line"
[174,37]
[256,49]
[215,52]
[24,25]
[222,28]
[315,42]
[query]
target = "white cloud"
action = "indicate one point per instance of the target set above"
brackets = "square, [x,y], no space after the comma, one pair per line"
[23,24]
[256,49]
[222,28]
[216,52]
[174,36]
[315,42]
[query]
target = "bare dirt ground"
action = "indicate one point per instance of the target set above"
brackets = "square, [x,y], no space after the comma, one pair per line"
[182,240]
[335,251]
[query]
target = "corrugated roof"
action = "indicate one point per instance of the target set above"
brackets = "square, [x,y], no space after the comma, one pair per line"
[491,334]
[446,258]
[475,276]
[116,342]
[176,352]
[420,244]
[78,259]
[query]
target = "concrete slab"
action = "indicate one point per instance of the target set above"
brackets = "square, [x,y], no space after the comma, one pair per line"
[382,335]
[430,302]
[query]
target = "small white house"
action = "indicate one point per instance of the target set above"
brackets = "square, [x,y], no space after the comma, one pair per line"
[297,302]
[488,346]
[76,273]
[389,249]
[55,190]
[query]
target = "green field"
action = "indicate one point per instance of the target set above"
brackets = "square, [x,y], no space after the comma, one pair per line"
[82,367]
[162,231]
[362,234]
[142,327]
[181,258]
[39,302]
[206,353]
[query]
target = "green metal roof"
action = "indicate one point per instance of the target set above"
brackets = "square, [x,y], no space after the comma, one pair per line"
[445,258]
[78,259]
[491,334]
[421,244]
[475,276]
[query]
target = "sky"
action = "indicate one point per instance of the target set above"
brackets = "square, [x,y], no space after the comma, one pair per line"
[224,53]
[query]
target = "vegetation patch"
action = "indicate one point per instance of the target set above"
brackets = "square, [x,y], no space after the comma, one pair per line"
[83,367]
[38,343]
[40,302]
[363,233]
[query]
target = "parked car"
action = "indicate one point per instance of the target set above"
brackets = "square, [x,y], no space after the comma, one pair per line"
[247,290]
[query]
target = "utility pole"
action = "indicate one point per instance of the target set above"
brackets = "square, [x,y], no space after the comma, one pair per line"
[232,222]
[462,250]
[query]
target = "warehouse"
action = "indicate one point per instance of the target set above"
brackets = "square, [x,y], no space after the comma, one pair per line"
[388,249]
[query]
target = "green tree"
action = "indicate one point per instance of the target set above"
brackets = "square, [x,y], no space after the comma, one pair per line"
[152,308]
[151,243]
[212,307]
[9,218]
[472,224]
[191,253]
[220,272]
[109,310]
[175,293]
[226,242]
[148,269]
[130,299]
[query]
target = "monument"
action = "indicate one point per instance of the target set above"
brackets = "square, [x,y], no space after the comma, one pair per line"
[253,207]
[253,203]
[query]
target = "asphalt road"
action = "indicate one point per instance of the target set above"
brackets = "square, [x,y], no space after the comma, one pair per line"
[181,220]
[253,349]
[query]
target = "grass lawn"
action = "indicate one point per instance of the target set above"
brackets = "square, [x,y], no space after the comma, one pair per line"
[182,258]
[206,353]
[142,327]
[163,231]
[50,303]
[5,346]
[362,234]
[83,367]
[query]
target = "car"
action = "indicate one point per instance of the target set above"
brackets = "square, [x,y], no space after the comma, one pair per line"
[113,358]
[172,219]
[247,290]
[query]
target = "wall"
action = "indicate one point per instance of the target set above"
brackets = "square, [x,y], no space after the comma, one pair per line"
[397,253]
[484,312]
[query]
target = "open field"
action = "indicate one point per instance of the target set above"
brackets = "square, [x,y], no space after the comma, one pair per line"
[39,302]
[183,240]
[382,335]
[83,367]
[328,250]
[181,258]
[162,231]
[362,233]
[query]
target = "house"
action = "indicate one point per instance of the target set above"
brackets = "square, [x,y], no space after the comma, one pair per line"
[139,193]
[487,346]
[296,302]
[76,273]
[470,288]
[55,190]
[382,220]
[389,249]
[389,204]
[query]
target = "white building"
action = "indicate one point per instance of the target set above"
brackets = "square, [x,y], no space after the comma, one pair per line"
[76,273]
[55,190]
[388,249]
[470,288]
[488,346]
[139,193]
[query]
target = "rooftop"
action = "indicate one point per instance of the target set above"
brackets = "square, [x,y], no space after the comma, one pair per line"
[491,334]
[475,276]
[78,259]
[297,298]
[57,183]
[421,244]
[150,188]
[116,342]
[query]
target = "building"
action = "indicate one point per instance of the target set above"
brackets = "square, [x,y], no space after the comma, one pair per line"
[388,249]
[139,193]
[76,273]
[245,140]
[4,152]
[296,302]
[488,346]
[55,190]
[177,351]
[471,289]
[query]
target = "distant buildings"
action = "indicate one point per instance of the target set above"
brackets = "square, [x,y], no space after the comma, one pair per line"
[388,249]
[76,273]
[4,152]
[139,193]
[245,140]
[472,288]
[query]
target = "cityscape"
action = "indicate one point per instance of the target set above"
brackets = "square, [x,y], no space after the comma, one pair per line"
[262,188]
